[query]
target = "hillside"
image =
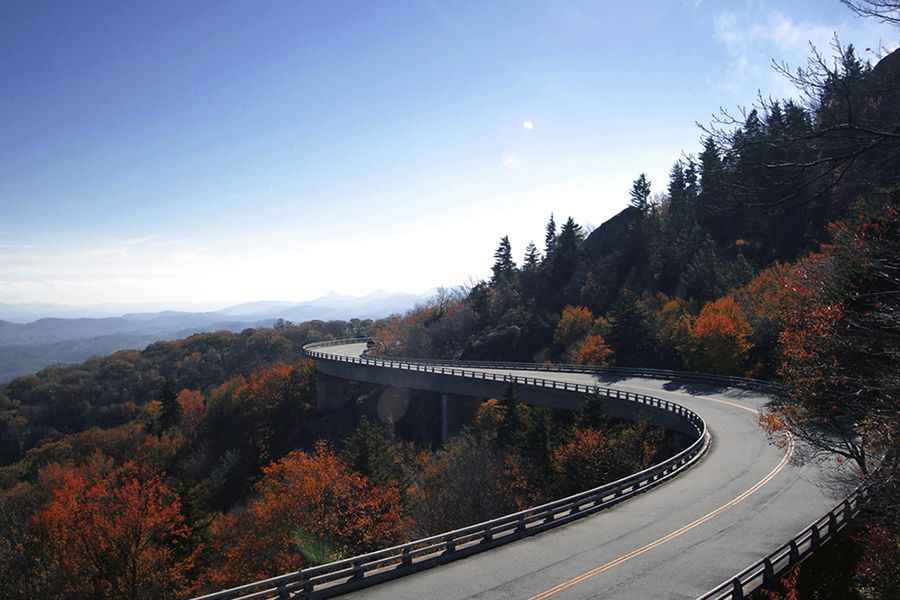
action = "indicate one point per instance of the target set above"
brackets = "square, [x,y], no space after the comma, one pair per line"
[28,347]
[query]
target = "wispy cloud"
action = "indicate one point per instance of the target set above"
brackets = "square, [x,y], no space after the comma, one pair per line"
[752,38]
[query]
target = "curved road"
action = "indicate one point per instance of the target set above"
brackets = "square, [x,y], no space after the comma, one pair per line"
[741,501]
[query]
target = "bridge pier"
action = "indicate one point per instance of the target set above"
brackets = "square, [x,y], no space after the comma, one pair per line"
[456,412]
[332,393]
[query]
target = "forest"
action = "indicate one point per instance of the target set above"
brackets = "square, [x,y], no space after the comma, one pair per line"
[222,472]
[773,253]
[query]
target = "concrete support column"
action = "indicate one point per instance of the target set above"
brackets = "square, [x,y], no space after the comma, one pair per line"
[331,393]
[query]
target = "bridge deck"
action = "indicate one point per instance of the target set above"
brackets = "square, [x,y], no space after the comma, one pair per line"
[677,541]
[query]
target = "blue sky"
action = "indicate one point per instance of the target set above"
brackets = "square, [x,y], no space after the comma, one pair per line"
[232,151]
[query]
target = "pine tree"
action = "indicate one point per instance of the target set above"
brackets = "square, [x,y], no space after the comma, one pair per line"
[569,238]
[550,240]
[630,332]
[640,193]
[530,278]
[532,260]
[511,434]
[504,267]
[711,200]
[565,261]
[677,195]
[691,182]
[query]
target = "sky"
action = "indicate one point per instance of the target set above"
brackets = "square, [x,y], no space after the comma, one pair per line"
[221,152]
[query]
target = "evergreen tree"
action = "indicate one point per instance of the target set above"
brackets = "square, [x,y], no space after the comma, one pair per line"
[682,190]
[550,240]
[565,260]
[640,193]
[530,271]
[480,301]
[629,332]
[677,185]
[532,260]
[711,200]
[368,451]
[511,434]
[691,182]
[570,237]
[504,267]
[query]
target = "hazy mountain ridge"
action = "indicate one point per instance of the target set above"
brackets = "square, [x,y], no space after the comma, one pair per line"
[28,347]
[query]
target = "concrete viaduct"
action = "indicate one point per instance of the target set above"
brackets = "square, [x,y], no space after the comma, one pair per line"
[686,528]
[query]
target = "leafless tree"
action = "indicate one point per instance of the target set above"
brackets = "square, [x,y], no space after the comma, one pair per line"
[886,11]
[855,129]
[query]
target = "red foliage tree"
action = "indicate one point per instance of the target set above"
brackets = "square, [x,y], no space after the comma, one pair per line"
[591,458]
[192,410]
[115,535]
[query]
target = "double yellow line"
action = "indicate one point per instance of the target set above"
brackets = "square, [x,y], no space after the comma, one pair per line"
[565,585]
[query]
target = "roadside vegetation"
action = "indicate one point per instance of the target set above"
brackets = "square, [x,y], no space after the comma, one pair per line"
[773,252]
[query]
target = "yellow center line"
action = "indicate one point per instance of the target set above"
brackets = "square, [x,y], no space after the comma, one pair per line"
[734,404]
[678,532]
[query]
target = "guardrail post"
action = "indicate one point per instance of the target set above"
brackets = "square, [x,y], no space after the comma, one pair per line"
[768,570]
[794,556]
[520,526]
[358,571]
[737,589]
[451,546]
[832,524]
[407,557]
[816,539]
[283,593]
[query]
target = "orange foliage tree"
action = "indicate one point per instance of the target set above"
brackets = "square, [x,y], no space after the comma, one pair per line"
[489,417]
[115,535]
[593,350]
[258,419]
[721,337]
[575,323]
[309,508]
[766,300]
[406,335]
[438,329]
[591,458]
[674,324]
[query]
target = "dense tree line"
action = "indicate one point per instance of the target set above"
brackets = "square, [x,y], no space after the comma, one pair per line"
[201,463]
[772,253]
[208,489]
[110,391]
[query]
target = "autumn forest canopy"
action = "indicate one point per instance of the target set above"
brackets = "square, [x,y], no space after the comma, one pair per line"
[772,251]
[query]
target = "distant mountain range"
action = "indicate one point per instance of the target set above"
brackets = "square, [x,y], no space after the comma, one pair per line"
[26,347]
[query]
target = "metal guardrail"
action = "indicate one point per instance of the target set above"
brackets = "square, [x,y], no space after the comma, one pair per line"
[744,382]
[758,574]
[795,551]
[359,571]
